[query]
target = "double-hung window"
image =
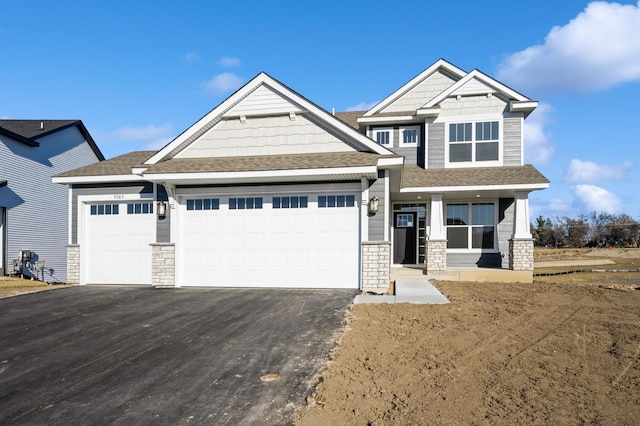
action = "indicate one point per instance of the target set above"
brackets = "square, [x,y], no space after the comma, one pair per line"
[383,135]
[475,141]
[471,226]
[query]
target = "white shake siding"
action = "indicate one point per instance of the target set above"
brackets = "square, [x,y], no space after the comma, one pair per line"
[37,209]
[421,94]
[265,136]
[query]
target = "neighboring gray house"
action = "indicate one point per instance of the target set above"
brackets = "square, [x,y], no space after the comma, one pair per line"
[33,210]
[270,190]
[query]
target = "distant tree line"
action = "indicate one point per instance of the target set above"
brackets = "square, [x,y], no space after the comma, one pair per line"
[593,230]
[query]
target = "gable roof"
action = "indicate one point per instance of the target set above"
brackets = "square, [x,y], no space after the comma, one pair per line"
[29,131]
[441,64]
[287,99]
[484,83]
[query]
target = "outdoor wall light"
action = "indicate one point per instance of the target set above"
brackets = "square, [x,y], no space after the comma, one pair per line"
[373,205]
[162,209]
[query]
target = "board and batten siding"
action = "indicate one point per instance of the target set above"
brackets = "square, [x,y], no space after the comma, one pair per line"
[108,190]
[273,135]
[36,208]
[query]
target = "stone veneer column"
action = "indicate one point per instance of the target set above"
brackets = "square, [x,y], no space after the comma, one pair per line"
[163,264]
[436,255]
[521,254]
[73,263]
[376,266]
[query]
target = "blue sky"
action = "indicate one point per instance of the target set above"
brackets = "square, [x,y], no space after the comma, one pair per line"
[138,73]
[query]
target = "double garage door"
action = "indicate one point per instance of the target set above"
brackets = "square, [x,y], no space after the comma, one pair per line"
[267,240]
[275,240]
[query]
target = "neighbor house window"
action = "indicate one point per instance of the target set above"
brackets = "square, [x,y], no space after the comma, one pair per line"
[336,201]
[471,226]
[140,208]
[410,136]
[104,209]
[479,141]
[203,204]
[384,136]
[248,203]
[293,202]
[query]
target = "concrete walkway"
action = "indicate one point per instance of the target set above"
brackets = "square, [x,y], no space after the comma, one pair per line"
[411,287]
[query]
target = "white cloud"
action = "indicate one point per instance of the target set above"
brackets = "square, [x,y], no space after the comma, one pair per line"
[598,49]
[192,57]
[228,61]
[587,171]
[153,137]
[363,106]
[593,198]
[222,83]
[4,117]
[538,148]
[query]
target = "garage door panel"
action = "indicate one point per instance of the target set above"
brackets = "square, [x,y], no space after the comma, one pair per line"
[272,247]
[116,246]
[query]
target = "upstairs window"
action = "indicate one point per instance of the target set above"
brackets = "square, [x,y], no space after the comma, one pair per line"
[479,141]
[410,136]
[384,136]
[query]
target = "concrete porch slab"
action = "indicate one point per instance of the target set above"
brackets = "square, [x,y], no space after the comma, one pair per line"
[482,275]
[418,291]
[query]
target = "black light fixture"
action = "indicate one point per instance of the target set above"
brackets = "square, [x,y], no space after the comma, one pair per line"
[373,205]
[162,209]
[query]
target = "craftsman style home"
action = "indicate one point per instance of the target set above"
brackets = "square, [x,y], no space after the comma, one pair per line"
[34,221]
[268,189]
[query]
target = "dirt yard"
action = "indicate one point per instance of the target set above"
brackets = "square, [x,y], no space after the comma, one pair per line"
[10,286]
[563,350]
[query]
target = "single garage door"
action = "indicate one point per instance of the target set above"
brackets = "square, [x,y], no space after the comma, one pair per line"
[116,242]
[276,240]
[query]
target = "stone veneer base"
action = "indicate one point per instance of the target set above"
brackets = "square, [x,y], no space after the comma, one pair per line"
[376,266]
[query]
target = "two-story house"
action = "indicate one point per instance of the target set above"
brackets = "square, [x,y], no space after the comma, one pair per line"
[268,189]
[34,221]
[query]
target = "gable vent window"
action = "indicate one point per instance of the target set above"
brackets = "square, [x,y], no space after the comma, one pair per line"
[203,204]
[478,141]
[330,201]
[140,208]
[248,203]
[104,209]
[290,202]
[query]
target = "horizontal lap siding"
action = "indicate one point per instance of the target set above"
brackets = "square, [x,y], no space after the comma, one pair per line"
[512,135]
[37,209]
[376,222]
[435,149]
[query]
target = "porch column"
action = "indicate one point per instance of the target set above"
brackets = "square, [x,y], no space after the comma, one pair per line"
[436,258]
[521,244]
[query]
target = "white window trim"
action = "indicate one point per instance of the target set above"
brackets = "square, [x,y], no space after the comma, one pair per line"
[495,248]
[473,120]
[375,131]
[402,129]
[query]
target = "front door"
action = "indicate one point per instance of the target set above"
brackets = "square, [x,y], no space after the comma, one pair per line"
[404,238]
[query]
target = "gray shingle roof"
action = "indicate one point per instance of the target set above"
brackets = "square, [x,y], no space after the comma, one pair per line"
[417,177]
[350,118]
[265,162]
[120,165]
[29,131]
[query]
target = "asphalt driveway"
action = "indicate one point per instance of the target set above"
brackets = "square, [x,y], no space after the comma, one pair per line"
[131,355]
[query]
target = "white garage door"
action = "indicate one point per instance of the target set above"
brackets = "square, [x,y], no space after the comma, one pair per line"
[116,243]
[279,240]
